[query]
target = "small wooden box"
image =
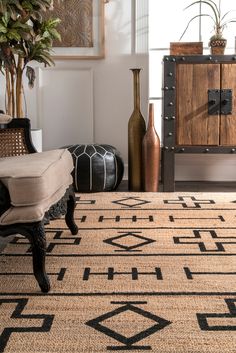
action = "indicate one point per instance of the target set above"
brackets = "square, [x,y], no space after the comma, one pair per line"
[186,48]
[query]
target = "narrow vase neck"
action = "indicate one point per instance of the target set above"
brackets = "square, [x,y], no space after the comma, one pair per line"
[136,88]
[151,116]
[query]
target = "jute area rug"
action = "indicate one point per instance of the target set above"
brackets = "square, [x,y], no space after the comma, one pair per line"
[147,272]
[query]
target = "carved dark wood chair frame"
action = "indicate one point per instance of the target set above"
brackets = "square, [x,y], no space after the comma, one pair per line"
[34,231]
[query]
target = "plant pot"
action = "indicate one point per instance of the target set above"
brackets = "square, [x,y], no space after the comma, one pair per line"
[218,46]
[36,136]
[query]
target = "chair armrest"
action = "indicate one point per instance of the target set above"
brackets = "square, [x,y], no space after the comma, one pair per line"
[5,201]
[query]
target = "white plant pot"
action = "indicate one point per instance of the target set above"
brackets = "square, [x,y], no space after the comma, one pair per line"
[36,135]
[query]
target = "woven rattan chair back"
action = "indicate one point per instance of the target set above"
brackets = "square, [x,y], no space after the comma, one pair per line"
[15,138]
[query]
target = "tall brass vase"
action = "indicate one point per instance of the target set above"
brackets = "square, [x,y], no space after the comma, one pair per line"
[151,154]
[136,131]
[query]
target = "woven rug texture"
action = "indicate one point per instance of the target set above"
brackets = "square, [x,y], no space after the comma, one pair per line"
[146,272]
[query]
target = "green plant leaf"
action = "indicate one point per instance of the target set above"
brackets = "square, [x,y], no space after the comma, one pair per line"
[20,25]
[46,34]
[6,18]
[18,51]
[26,5]
[25,33]
[3,29]
[55,34]
[226,14]
[53,22]
[193,18]
[13,34]
[210,4]
[3,38]
[220,21]
[224,24]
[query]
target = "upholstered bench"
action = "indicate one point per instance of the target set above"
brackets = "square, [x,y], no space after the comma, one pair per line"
[36,182]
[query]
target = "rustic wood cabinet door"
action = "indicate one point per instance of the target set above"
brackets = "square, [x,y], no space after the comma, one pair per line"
[228,122]
[193,86]
[194,125]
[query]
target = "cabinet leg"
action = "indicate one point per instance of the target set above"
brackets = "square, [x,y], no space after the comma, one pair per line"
[168,170]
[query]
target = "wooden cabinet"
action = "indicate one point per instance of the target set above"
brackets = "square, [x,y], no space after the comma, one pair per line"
[199,100]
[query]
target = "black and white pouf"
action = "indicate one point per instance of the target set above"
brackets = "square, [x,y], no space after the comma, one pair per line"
[97,167]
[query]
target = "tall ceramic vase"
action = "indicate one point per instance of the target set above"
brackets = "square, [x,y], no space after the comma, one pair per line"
[151,154]
[136,131]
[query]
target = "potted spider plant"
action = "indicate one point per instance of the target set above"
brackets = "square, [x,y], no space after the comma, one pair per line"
[220,21]
[25,36]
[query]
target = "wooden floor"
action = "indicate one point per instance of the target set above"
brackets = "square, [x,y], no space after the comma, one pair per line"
[193,186]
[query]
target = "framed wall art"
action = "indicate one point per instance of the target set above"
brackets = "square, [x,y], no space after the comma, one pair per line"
[81,29]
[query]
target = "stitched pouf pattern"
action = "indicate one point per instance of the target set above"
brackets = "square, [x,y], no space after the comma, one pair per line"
[96,167]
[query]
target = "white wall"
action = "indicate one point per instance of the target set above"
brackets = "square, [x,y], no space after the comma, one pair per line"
[86,101]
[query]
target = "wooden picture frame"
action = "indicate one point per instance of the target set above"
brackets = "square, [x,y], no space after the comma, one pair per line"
[95,50]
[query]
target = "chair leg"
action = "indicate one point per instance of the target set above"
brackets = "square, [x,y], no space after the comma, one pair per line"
[69,217]
[34,232]
[38,244]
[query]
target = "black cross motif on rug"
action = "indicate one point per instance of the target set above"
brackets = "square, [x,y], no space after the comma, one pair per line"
[126,237]
[69,241]
[128,342]
[18,318]
[189,202]
[131,202]
[205,326]
[59,236]
[207,240]
[214,243]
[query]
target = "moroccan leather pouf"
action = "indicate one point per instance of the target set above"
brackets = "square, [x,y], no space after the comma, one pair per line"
[97,167]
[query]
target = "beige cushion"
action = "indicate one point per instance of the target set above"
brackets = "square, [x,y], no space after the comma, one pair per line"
[28,214]
[5,119]
[33,178]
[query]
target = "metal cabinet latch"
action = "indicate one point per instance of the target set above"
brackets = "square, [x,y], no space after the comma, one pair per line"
[220,101]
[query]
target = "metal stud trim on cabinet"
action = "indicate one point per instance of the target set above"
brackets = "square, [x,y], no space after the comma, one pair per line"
[199,108]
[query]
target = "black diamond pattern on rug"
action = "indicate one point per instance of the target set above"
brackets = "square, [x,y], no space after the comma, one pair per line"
[131,202]
[128,342]
[126,236]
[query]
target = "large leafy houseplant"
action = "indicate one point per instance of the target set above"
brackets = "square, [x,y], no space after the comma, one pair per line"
[24,36]
[220,20]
